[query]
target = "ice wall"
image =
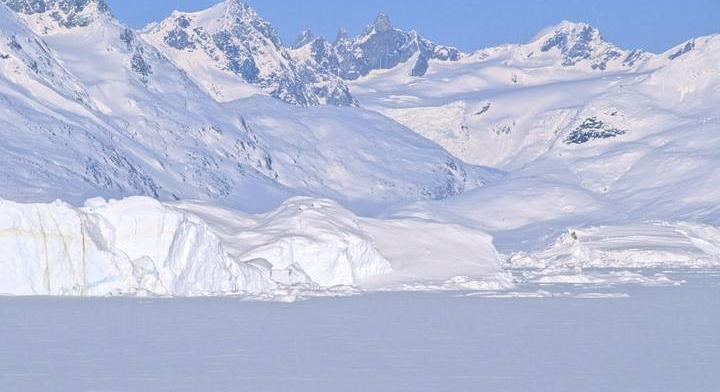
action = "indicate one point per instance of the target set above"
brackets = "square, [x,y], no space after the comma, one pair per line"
[133,246]
[140,246]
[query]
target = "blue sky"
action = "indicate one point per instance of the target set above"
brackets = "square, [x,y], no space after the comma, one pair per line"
[655,25]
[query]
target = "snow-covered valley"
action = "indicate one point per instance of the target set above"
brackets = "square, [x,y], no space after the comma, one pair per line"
[201,157]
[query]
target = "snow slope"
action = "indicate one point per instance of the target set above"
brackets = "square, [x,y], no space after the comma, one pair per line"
[597,141]
[505,106]
[585,133]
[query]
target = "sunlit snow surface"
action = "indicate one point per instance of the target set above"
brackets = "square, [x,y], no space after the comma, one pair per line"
[554,338]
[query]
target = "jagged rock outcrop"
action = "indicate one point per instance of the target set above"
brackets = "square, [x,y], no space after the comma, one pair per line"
[379,46]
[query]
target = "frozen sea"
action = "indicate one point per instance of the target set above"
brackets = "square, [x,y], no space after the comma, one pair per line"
[654,339]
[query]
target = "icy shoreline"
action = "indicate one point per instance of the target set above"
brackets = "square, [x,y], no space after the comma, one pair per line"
[307,248]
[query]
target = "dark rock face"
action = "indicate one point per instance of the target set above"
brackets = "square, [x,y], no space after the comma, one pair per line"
[321,73]
[179,38]
[634,57]
[421,66]
[239,45]
[322,53]
[592,129]
[27,6]
[138,63]
[303,39]
[382,23]
[14,44]
[140,66]
[240,60]
[128,37]
[338,95]
[690,45]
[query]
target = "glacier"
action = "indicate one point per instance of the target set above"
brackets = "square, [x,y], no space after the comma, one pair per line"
[140,246]
[114,248]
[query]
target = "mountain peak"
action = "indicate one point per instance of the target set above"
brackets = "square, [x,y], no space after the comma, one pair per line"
[40,6]
[567,33]
[305,37]
[238,7]
[581,42]
[570,25]
[382,23]
[381,46]
[245,55]
[65,13]
[230,18]
[342,35]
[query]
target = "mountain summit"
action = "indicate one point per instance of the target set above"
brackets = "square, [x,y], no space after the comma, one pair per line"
[305,37]
[232,52]
[382,23]
[582,43]
[54,14]
[379,46]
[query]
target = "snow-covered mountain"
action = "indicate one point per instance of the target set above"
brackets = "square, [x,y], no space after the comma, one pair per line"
[131,122]
[577,44]
[507,105]
[28,60]
[587,139]
[233,53]
[52,15]
[379,46]
[592,156]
